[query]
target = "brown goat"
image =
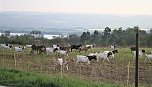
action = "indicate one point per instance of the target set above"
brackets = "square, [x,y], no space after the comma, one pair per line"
[83,49]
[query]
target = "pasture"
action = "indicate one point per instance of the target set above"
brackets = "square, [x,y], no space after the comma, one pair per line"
[119,70]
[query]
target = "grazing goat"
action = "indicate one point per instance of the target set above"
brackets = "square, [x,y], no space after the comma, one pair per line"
[133,49]
[140,53]
[61,62]
[90,46]
[62,52]
[82,59]
[55,46]
[91,54]
[6,46]
[104,55]
[83,49]
[65,48]
[18,49]
[28,46]
[148,57]
[39,49]
[113,47]
[50,50]
[75,47]
[113,52]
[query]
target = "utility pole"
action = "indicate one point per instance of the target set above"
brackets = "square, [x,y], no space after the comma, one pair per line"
[137,55]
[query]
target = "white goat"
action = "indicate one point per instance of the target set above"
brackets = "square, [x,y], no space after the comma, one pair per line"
[28,46]
[82,59]
[62,52]
[148,57]
[91,54]
[18,49]
[55,46]
[113,47]
[6,46]
[91,46]
[103,56]
[106,52]
[62,62]
[134,53]
[49,50]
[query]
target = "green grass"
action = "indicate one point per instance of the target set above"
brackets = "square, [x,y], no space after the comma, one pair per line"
[11,77]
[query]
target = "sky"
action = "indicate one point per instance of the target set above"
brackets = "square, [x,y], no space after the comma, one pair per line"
[116,7]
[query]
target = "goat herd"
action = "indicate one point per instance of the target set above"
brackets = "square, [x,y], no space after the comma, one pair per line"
[105,55]
[79,58]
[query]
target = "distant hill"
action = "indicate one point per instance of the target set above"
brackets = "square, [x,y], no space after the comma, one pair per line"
[74,22]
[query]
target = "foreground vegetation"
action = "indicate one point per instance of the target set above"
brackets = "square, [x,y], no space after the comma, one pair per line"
[16,78]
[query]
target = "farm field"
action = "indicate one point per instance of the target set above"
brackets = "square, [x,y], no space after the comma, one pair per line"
[115,72]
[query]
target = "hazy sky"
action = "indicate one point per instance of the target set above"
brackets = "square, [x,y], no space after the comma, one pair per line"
[125,7]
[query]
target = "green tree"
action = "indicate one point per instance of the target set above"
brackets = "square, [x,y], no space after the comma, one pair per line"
[118,37]
[106,36]
[36,33]
[96,38]
[107,31]
[73,39]
[143,38]
[36,36]
[149,39]
[85,37]
[131,36]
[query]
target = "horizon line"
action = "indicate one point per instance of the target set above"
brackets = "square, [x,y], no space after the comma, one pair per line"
[79,13]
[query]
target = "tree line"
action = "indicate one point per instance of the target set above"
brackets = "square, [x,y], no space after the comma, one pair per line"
[119,37]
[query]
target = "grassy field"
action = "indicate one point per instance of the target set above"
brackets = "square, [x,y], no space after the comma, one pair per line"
[18,78]
[113,72]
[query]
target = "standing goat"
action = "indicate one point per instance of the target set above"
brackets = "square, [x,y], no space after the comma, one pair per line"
[19,49]
[140,53]
[85,59]
[61,61]
[62,52]
[148,57]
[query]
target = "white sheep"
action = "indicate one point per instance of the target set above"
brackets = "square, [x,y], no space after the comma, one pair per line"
[148,57]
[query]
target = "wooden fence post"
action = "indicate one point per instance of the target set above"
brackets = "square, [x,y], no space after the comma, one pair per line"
[137,55]
[14,59]
[61,71]
[128,66]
